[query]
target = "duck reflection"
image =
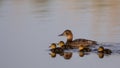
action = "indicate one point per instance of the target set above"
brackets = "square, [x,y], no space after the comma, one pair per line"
[65,55]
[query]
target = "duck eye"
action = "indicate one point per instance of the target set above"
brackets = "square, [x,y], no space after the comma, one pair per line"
[67,33]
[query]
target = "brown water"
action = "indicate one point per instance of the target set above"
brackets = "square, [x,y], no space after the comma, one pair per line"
[27,27]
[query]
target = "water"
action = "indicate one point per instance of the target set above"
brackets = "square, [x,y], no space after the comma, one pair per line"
[28,27]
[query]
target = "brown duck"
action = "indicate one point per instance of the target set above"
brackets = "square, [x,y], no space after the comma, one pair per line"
[77,42]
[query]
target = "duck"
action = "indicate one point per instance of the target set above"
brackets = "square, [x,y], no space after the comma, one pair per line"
[105,51]
[64,46]
[84,49]
[55,49]
[77,42]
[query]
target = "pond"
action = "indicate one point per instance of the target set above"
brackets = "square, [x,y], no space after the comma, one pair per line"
[28,27]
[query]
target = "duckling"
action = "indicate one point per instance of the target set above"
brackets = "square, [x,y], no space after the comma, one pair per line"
[105,51]
[84,49]
[75,43]
[63,46]
[55,49]
[52,54]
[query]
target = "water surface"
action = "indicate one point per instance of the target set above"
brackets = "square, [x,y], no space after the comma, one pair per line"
[28,27]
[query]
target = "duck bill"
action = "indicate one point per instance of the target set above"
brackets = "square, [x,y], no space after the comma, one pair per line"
[61,34]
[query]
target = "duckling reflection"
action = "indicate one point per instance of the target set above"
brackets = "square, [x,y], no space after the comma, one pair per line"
[100,54]
[81,53]
[67,55]
[63,46]
[84,49]
[52,54]
[56,49]
[105,51]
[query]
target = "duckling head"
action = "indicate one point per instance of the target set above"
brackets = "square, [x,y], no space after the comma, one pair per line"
[68,34]
[52,46]
[61,43]
[100,49]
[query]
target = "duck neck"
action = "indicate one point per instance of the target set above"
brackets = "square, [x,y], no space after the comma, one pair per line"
[69,38]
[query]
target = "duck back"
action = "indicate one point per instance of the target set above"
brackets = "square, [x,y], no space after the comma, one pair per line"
[78,42]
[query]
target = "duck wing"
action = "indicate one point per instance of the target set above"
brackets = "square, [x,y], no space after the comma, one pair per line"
[78,42]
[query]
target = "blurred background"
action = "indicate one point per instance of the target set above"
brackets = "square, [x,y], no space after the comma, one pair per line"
[28,27]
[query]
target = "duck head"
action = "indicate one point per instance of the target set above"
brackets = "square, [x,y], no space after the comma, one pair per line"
[68,34]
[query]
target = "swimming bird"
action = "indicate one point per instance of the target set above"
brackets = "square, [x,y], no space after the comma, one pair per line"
[77,42]
[64,46]
[84,49]
[105,51]
[55,49]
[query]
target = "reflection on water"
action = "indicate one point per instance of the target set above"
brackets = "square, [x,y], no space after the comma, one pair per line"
[65,55]
[101,49]
[68,55]
[28,26]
